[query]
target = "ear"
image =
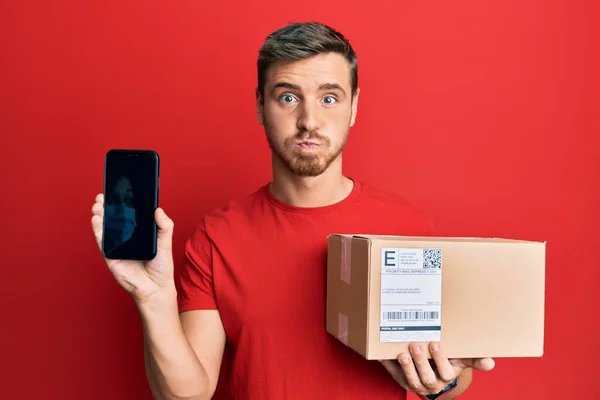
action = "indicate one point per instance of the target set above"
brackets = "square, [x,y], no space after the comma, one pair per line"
[260,108]
[354,107]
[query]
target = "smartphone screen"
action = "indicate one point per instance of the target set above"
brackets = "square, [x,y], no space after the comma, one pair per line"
[130,199]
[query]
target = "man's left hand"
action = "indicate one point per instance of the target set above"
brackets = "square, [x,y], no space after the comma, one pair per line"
[416,373]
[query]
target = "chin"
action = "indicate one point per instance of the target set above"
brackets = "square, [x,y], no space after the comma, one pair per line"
[309,167]
[307,172]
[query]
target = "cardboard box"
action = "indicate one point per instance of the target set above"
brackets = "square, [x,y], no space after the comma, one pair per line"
[478,297]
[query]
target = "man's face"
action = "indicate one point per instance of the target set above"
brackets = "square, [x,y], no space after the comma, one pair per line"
[308,111]
[123,191]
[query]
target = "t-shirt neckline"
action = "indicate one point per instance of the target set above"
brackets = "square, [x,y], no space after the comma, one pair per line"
[352,196]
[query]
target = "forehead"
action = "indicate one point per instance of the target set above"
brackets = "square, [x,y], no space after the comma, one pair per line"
[312,72]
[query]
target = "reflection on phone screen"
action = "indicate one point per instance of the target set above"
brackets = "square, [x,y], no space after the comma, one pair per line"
[120,222]
[130,202]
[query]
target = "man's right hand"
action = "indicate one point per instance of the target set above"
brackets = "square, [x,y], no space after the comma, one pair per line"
[143,280]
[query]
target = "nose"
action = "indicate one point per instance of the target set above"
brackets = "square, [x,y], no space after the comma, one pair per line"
[308,119]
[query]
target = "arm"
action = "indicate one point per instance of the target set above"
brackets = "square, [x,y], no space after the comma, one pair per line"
[183,353]
[184,334]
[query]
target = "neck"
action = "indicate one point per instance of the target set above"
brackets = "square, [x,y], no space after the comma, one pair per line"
[328,188]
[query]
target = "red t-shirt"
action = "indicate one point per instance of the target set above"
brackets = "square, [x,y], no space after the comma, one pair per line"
[262,264]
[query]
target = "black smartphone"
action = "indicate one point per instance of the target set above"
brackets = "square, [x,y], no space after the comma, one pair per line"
[131,186]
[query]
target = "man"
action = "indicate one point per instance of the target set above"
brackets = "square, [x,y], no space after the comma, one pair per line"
[254,271]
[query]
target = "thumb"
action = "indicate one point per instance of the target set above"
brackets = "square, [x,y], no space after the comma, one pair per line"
[481,364]
[165,227]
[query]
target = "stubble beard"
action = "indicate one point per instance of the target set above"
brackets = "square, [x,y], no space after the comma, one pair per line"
[300,164]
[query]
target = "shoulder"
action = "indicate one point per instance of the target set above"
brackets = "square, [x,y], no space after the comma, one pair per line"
[238,214]
[387,198]
[237,210]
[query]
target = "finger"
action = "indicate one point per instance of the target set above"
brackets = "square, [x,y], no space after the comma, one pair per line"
[97,229]
[100,198]
[426,373]
[444,368]
[410,373]
[98,209]
[165,228]
[394,369]
[483,364]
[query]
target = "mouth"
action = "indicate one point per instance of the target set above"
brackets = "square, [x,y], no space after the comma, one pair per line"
[308,145]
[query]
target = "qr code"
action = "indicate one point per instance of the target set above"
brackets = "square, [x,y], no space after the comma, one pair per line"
[432,258]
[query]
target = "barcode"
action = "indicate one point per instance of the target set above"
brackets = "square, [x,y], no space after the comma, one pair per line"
[414,315]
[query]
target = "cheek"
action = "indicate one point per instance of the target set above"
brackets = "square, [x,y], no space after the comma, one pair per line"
[280,121]
[338,122]
[345,115]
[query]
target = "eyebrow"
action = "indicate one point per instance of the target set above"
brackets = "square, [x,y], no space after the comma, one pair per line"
[286,85]
[332,86]
[324,86]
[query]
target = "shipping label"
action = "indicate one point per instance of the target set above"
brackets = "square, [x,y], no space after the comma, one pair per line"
[411,295]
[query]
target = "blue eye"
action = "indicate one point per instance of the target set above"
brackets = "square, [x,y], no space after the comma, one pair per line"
[287,98]
[331,100]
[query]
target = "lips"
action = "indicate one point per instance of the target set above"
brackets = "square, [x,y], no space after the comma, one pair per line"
[308,144]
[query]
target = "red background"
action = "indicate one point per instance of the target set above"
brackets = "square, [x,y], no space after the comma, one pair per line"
[484,113]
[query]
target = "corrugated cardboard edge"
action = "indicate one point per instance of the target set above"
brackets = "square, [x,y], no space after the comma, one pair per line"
[544,245]
[346,255]
[367,354]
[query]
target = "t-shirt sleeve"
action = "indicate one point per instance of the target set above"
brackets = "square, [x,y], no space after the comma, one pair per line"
[196,287]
